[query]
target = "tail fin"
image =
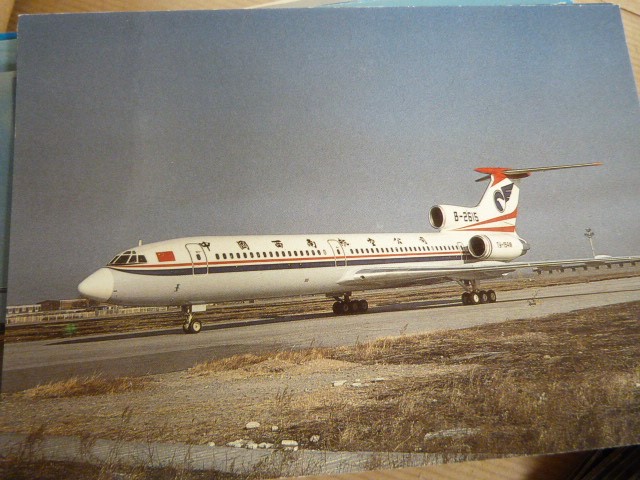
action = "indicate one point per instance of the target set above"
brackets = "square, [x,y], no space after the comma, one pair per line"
[498,207]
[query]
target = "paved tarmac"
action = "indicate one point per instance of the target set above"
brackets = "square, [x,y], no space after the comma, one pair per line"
[127,354]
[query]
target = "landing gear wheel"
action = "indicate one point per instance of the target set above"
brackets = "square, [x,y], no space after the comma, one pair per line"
[344,306]
[195,326]
[466,300]
[363,306]
[474,298]
[354,307]
[492,296]
[484,298]
[185,327]
[340,308]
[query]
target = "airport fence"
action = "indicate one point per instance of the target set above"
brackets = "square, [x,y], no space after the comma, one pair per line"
[61,316]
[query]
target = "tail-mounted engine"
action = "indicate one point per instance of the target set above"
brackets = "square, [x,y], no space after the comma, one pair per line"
[449,217]
[497,247]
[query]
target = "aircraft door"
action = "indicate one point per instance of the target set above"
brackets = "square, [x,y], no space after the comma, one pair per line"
[199,260]
[339,254]
[463,250]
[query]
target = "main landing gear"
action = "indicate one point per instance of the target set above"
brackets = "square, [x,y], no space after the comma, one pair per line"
[473,296]
[191,325]
[347,306]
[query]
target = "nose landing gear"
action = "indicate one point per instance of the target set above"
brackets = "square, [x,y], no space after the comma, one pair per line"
[192,325]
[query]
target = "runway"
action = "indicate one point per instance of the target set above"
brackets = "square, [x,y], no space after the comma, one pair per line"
[128,354]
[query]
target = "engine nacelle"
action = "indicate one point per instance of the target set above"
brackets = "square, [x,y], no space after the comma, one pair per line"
[448,217]
[496,247]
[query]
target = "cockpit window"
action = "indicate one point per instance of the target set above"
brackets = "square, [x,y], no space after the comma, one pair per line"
[128,257]
[122,259]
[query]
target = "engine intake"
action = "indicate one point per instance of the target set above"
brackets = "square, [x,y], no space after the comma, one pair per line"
[447,217]
[436,217]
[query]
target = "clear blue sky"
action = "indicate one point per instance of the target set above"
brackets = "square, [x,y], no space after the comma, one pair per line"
[155,126]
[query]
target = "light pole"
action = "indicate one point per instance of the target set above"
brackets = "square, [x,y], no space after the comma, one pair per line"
[590,234]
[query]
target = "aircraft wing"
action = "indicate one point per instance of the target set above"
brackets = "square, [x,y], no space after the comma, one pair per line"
[403,276]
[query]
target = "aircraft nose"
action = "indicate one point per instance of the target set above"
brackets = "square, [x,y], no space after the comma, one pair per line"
[97,286]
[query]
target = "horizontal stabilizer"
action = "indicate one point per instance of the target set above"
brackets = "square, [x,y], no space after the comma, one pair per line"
[525,172]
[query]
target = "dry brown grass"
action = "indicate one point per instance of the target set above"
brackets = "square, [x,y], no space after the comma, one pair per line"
[247,360]
[563,382]
[560,383]
[362,352]
[86,386]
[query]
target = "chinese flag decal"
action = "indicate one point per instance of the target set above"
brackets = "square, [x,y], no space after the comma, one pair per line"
[166,256]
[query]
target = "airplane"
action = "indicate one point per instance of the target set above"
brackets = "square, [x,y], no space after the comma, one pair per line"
[472,244]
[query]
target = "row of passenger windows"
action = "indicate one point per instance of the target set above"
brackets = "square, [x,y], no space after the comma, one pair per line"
[404,249]
[313,253]
[276,254]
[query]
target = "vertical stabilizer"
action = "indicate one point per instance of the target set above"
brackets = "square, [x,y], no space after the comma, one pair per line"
[498,207]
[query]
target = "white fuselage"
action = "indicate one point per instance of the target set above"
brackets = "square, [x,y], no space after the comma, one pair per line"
[200,270]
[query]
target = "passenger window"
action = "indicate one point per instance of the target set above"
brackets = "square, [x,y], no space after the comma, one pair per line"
[244,254]
[251,254]
[237,255]
[271,254]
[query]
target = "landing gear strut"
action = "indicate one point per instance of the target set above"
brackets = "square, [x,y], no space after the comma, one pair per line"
[473,296]
[347,306]
[191,325]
